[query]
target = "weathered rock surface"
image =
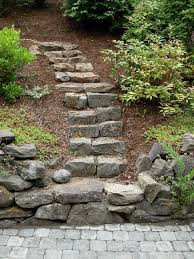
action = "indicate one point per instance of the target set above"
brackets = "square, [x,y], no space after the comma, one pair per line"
[83,166]
[30,169]
[79,191]
[128,209]
[75,101]
[150,187]
[70,87]
[54,54]
[110,166]
[92,213]
[161,168]
[62,176]
[14,183]
[112,113]
[15,212]
[77,59]
[108,146]
[71,53]
[111,128]
[87,131]
[83,77]
[141,216]
[165,192]
[81,146]
[21,151]
[55,46]
[82,117]
[6,136]
[119,194]
[98,87]
[188,143]
[101,100]
[6,197]
[63,67]
[157,151]
[84,67]
[53,211]
[143,163]
[61,76]
[54,60]
[33,199]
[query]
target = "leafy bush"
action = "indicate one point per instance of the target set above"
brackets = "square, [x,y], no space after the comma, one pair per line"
[111,12]
[154,72]
[11,91]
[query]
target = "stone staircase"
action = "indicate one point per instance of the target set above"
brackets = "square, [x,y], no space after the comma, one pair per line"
[94,114]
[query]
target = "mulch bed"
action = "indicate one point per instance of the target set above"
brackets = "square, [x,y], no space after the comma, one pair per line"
[49,112]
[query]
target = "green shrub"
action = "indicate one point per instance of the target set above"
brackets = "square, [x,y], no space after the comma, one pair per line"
[11,91]
[111,12]
[154,72]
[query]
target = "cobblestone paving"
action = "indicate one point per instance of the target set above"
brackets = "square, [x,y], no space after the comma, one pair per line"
[130,241]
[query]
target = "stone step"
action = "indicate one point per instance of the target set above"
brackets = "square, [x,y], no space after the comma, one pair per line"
[79,67]
[62,54]
[111,113]
[71,53]
[101,166]
[55,46]
[84,67]
[79,77]
[70,87]
[104,129]
[101,99]
[72,60]
[99,146]
[99,87]
[75,101]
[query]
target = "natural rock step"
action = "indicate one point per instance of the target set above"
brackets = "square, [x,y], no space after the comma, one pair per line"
[104,129]
[101,100]
[57,46]
[89,117]
[79,77]
[79,67]
[87,87]
[73,60]
[102,166]
[99,146]
[75,101]
[62,54]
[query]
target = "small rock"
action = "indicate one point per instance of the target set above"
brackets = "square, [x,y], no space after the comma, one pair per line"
[75,101]
[143,163]
[84,67]
[157,151]
[128,209]
[21,151]
[111,128]
[14,183]
[188,143]
[6,197]
[150,187]
[62,176]
[53,211]
[15,212]
[119,194]
[63,67]
[6,136]
[61,76]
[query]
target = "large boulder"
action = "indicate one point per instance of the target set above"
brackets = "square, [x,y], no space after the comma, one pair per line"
[119,194]
[6,136]
[53,211]
[33,199]
[61,176]
[21,151]
[6,198]
[188,143]
[14,183]
[15,212]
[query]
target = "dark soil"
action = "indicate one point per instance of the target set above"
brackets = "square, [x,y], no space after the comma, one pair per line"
[49,25]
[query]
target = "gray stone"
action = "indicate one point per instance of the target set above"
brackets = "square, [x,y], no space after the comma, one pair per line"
[98,87]
[14,183]
[15,212]
[61,76]
[71,53]
[119,194]
[82,117]
[58,60]
[53,54]
[157,151]
[101,100]
[53,211]
[165,192]
[6,197]
[32,199]
[111,128]
[81,146]
[70,87]
[55,46]
[110,166]
[188,143]
[63,67]
[75,101]
[108,146]
[141,216]
[61,176]
[79,191]
[84,67]
[82,166]
[143,163]
[128,209]
[6,136]
[112,113]
[54,162]
[188,162]
[83,77]
[30,169]
[77,59]
[21,151]
[150,187]
[87,131]
[161,168]
[91,213]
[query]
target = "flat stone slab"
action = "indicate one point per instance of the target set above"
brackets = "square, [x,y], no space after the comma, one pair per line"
[75,101]
[6,136]
[112,113]
[15,212]
[63,67]
[101,100]
[77,59]
[82,166]
[71,53]
[61,76]
[83,77]
[14,183]
[111,128]
[84,67]
[98,87]
[70,87]
[20,151]
[54,60]
[81,146]
[82,117]
[53,54]
[108,146]
[55,46]
[119,194]
[6,198]
[88,131]
[87,190]
[128,209]
[108,167]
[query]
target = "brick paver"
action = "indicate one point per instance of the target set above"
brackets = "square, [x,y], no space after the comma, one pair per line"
[119,241]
